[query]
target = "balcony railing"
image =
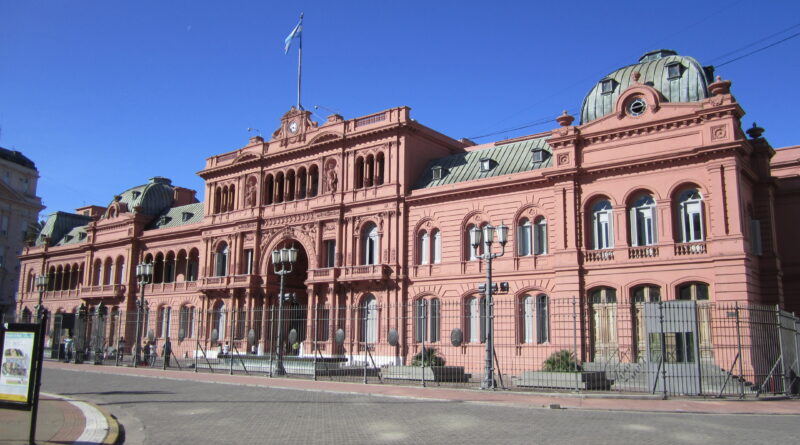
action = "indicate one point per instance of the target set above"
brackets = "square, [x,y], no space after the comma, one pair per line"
[372,272]
[103,290]
[228,282]
[167,288]
[323,275]
[594,256]
[690,248]
[642,252]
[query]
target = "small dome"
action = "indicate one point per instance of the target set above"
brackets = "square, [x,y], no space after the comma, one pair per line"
[153,198]
[678,78]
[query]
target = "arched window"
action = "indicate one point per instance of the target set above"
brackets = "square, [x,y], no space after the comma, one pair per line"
[186,323]
[279,186]
[302,183]
[169,268]
[472,253]
[97,272]
[269,189]
[524,237]
[602,226]
[437,246]
[646,294]
[371,244]
[119,272]
[475,319]
[158,268]
[693,291]
[542,319]
[427,313]
[643,221]
[603,302]
[290,185]
[164,313]
[379,169]
[232,198]
[359,172]
[423,247]
[540,236]
[369,320]
[217,200]
[221,266]
[690,216]
[369,174]
[313,173]
[192,265]
[218,322]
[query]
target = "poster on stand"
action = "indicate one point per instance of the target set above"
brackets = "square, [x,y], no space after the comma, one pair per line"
[16,364]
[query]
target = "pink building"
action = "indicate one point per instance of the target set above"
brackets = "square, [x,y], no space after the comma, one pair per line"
[658,194]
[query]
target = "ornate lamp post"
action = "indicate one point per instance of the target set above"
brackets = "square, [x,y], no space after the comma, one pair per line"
[282,262]
[144,273]
[41,286]
[488,381]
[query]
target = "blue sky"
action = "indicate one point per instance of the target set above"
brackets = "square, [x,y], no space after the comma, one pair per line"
[104,95]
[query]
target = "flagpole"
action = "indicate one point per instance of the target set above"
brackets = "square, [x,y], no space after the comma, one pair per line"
[299,64]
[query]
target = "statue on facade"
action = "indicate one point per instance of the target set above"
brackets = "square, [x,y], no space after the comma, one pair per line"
[330,178]
[250,194]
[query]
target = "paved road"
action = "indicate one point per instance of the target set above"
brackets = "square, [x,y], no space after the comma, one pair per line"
[166,411]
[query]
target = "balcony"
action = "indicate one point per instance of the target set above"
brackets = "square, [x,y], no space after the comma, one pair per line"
[597,256]
[326,275]
[684,249]
[372,272]
[228,282]
[103,291]
[170,288]
[640,252]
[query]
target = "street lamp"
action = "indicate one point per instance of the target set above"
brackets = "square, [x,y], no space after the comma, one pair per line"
[41,286]
[283,260]
[144,273]
[475,240]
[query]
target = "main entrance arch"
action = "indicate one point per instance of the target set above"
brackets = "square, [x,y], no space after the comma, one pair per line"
[287,310]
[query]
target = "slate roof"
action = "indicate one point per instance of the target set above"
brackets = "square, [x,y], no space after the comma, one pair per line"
[691,86]
[509,158]
[178,216]
[153,197]
[75,236]
[59,224]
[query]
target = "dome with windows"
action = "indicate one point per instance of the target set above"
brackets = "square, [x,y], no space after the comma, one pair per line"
[151,198]
[678,79]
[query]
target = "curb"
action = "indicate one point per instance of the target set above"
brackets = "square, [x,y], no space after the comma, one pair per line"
[97,421]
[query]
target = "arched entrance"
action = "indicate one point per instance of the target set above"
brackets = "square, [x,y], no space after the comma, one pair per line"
[292,312]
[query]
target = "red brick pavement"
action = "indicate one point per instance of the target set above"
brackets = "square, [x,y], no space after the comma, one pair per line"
[619,402]
[58,422]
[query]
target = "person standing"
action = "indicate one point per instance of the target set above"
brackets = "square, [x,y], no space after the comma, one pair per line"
[120,349]
[167,351]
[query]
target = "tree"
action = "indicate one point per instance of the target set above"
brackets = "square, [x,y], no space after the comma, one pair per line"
[32,232]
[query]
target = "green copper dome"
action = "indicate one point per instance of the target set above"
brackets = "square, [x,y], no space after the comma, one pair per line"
[678,78]
[152,198]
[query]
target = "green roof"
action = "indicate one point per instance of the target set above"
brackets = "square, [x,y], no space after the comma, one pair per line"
[59,224]
[506,159]
[178,216]
[690,86]
[75,236]
[153,197]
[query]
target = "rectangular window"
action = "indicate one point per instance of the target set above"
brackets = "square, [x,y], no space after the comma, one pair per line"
[437,247]
[542,320]
[755,237]
[4,225]
[330,253]
[248,261]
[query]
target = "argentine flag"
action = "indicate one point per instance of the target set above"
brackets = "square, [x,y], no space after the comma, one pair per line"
[297,33]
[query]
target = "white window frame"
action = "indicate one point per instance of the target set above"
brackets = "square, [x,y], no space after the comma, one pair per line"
[690,206]
[372,245]
[602,225]
[540,236]
[524,238]
[437,246]
[643,221]
[424,247]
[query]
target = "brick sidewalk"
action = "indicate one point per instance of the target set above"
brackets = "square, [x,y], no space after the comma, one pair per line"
[58,422]
[618,402]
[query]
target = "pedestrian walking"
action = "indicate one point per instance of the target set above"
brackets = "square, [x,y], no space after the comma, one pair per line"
[120,349]
[167,351]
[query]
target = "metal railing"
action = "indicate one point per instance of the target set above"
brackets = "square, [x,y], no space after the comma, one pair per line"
[669,348]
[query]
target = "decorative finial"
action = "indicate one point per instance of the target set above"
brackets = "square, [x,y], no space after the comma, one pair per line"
[755,131]
[636,75]
[565,120]
[720,87]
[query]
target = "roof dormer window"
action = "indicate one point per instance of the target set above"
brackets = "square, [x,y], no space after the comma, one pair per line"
[607,86]
[487,164]
[81,236]
[538,155]
[674,70]
[135,194]
[186,216]
[438,172]
[164,220]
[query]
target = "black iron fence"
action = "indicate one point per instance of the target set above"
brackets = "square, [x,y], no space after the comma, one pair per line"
[671,347]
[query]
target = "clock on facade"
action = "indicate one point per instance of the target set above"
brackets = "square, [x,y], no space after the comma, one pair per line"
[293,127]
